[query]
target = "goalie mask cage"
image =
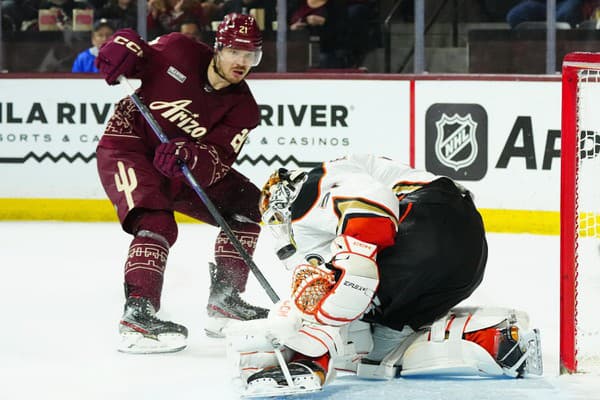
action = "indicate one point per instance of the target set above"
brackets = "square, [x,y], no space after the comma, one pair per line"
[580,214]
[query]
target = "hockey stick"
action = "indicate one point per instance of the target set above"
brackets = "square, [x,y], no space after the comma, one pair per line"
[207,202]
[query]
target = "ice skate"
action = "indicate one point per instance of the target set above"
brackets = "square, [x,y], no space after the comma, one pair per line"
[143,333]
[303,376]
[225,304]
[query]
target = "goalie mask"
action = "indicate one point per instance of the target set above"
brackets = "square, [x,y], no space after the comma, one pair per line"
[277,196]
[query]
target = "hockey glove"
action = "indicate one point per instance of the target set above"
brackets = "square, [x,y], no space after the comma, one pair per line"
[340,291]
[169,156]
[121,55]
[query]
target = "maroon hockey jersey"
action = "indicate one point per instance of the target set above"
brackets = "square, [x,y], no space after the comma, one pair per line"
[175,88]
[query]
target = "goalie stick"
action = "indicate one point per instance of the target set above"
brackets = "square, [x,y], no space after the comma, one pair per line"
[129,89]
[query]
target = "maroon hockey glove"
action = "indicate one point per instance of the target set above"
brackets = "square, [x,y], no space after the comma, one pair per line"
[168,156]
[121,55]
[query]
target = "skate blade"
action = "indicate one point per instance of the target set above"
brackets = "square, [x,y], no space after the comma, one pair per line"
[280,391]
[215,326]
[137,343]
[268,388]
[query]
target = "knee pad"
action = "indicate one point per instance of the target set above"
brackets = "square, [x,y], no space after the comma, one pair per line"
[153,223]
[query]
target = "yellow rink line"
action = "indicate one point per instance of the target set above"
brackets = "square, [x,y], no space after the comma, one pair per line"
[500,221]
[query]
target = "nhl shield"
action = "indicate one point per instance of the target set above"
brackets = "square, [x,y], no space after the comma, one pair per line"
[456,140]
[455,145]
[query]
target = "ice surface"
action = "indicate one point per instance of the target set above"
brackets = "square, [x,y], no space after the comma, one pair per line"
[62,296]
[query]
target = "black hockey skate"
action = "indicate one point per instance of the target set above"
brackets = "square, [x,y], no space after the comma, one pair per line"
[225,304]
[143,333]
[303,376]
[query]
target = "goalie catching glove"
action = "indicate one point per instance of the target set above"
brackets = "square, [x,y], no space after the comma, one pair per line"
[340,291]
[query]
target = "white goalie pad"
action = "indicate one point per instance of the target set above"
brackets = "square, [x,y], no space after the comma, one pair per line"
[255,345]
[441,350]
[357,344]
[448,358]
[447,353]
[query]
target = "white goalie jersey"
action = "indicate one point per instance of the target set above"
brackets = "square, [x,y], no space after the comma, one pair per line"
[355,196]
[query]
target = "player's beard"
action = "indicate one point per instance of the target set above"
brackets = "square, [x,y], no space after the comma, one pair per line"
[229,75]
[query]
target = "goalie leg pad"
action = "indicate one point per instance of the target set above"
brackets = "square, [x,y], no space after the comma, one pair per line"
[449,358]
[450,346]
[389,346]
[357,344]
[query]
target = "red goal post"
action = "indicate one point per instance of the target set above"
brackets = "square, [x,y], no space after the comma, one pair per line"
[580,214]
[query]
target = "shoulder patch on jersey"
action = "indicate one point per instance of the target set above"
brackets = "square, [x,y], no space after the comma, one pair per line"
[176,74]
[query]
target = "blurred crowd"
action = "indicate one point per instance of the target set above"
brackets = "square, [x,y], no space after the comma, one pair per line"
[345,30]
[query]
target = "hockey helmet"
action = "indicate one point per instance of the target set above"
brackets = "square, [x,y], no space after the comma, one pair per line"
[276,198]
[240,31]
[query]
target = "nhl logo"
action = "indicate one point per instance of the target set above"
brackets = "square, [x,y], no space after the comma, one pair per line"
[456,142]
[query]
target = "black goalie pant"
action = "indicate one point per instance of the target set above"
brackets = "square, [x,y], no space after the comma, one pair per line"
[437,261]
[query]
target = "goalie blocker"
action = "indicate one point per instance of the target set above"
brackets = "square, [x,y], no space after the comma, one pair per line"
[286,354]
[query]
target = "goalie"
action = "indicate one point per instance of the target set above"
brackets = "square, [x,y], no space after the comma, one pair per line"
[380,254]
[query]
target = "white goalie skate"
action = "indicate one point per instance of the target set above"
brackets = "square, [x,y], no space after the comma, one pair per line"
[299,377]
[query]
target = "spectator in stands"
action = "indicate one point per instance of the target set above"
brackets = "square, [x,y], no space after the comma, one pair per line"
[65,10]
[327,19]
[84,62]
[191,29]
[308,14]
[165,16]
[120,13]
[217,9]
[570,11]
[18,15]
[361,35]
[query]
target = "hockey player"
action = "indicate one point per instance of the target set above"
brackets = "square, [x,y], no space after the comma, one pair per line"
[200,99]
[374,240]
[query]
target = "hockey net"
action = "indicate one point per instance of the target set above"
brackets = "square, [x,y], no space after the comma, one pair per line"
[580,214]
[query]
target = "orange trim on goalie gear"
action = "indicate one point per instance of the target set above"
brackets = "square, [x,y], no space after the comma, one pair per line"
[467,322]
[320,275]
[248,353]
[405,214]
[486,338]
[302,330]
[380,231]
[322,361]
[372,255]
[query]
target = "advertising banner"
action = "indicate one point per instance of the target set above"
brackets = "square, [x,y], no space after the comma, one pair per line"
[501,139]
[498,137]
[49,129]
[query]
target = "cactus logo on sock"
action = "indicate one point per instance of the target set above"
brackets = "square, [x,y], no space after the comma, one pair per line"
[456,140]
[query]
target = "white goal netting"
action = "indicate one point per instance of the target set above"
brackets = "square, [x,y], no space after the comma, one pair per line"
[587,247]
